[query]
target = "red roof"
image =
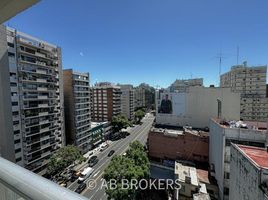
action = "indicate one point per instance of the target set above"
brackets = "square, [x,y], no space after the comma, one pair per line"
[258,155]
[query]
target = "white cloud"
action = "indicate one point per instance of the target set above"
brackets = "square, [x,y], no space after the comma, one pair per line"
[81,54]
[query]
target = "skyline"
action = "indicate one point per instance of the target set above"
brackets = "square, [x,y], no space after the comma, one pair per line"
[116,41]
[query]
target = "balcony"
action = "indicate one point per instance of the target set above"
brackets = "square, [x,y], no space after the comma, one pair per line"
[17,183]
[41,89]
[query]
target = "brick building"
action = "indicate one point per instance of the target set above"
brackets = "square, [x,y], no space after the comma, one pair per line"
[166,144]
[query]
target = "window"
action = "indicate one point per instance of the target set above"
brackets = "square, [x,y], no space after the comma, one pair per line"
[17,141]
[226,191]
[16,132]
[18,150]
[15,113]
[18,159]
[11,54]
[10,44]
[13,84]
[14,103]
[16,122]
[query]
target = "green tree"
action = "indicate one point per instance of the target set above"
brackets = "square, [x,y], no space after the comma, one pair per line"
[139,114]
[127,167]
[63,158]
[119,122]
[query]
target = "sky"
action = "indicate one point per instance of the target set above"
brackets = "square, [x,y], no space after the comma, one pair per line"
[152,41]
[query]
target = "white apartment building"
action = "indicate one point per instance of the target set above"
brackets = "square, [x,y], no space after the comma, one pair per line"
[191,187]
[222,134]
[106,102]
[127,101]
[195,107]
[77,109]
[249,172]
[184,84]
[250,82]
[36,98]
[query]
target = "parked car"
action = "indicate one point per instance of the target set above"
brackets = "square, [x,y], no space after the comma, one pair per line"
[111,153]
[73,177]
[93,163]
[81,187]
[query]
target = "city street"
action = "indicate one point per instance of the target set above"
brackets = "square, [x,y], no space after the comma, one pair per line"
[139,132]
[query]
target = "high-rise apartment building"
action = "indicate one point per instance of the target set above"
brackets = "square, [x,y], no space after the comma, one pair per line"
[183,85]
[250,82]
[106,101]
[77,108]
[144,96]
[127,101]
[33,97]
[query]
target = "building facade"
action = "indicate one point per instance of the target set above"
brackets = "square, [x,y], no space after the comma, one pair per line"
[36,98]
[221,135]
[167,144]
[250,82]
[106,102]
[144,97]
[127,101]
[77,108]
[195,107]
[183,85]
[249,172]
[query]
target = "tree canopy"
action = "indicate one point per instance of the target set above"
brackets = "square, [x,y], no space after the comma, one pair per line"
[139,114]
[135,165]
[119,122]
[63,158]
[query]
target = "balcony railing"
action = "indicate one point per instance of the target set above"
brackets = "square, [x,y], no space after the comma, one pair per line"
[19,183]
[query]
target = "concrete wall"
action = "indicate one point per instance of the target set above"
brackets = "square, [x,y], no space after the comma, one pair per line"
[6,126]
[216,152]
[219,152]
[244,177]
[201,105]
[69,106]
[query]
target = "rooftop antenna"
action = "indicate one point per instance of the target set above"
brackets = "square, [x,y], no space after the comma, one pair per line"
[220,57]
[237,55]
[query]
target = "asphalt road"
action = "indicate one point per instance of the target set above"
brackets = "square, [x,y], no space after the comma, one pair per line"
[139,132]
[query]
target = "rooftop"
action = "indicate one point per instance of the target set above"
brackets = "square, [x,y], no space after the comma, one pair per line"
[251,125]
[175,132]
[258,155]
[201,196]
[186,174]
[203,176]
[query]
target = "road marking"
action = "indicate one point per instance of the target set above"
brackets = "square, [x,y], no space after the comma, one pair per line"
[96,173]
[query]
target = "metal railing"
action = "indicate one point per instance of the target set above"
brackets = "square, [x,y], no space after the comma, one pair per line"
[17,183]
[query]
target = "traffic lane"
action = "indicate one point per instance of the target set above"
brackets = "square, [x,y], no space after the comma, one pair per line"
[98,192]
[104,154]
[116,145]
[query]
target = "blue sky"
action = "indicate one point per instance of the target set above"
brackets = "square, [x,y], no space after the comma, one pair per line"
[152,41]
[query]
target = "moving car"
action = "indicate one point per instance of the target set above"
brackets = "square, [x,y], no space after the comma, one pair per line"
[85,174]
[92,159]
[111,153]
[103,146]
[81,187]
[94,162]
